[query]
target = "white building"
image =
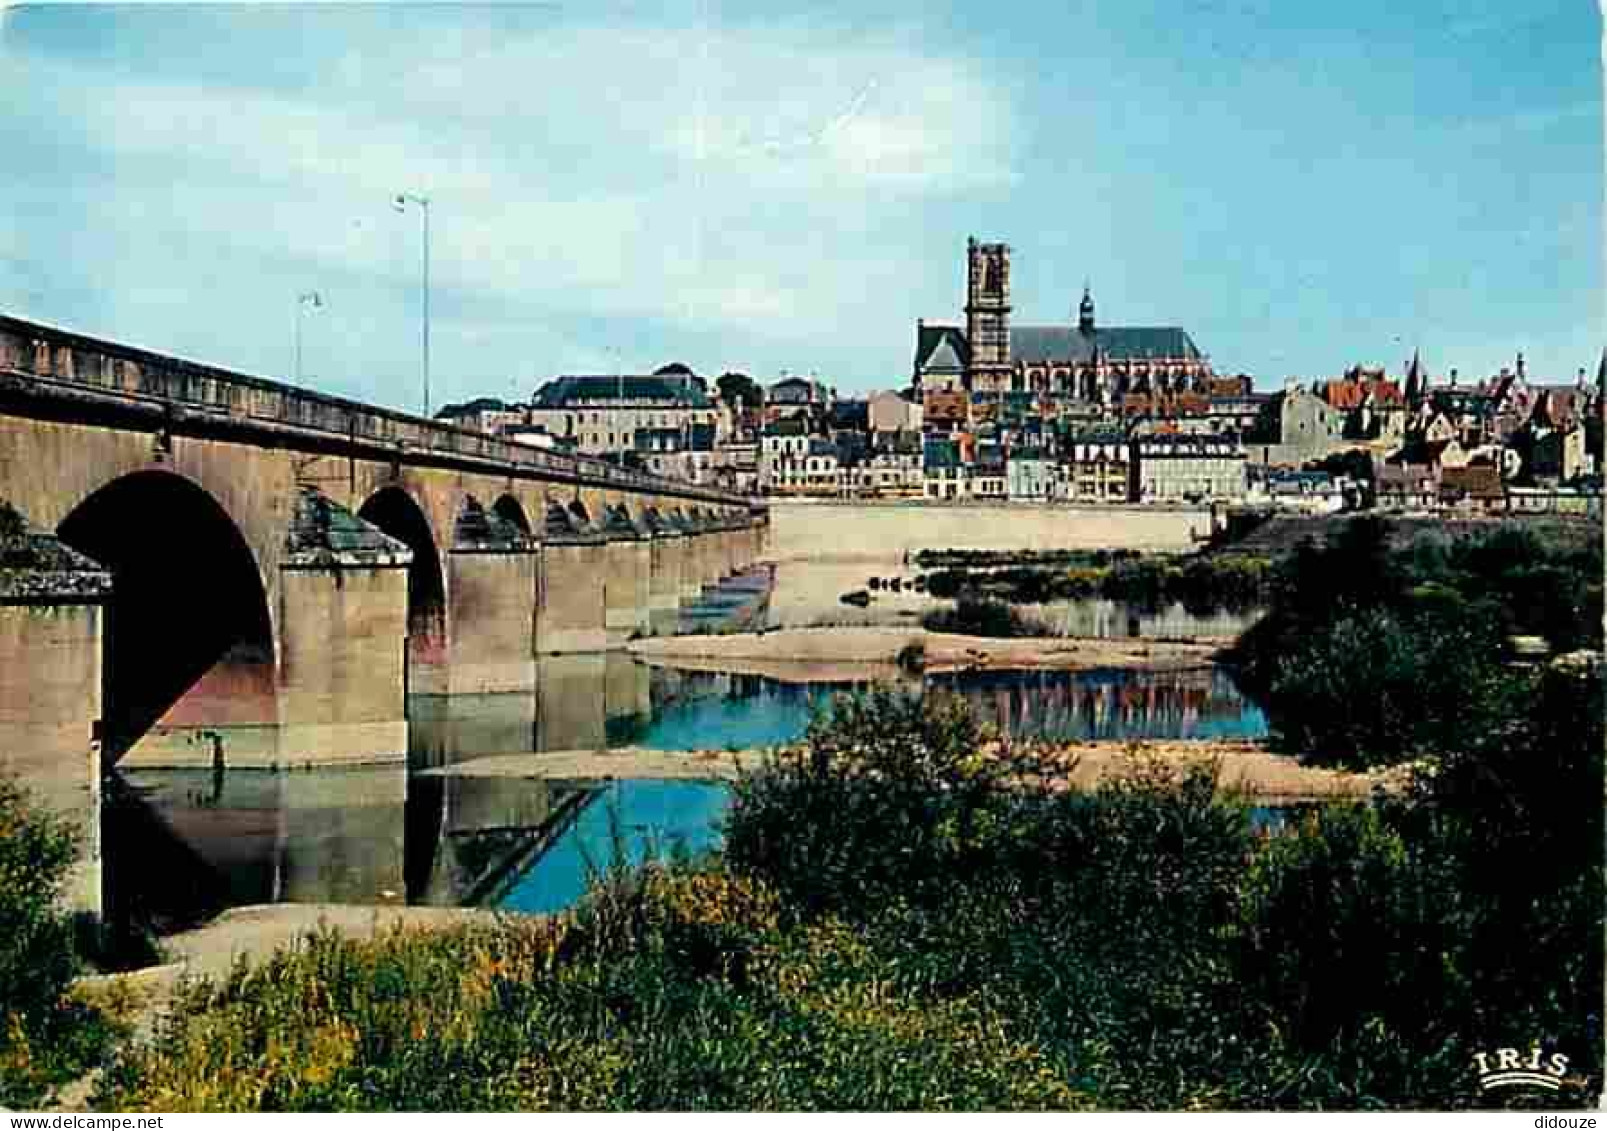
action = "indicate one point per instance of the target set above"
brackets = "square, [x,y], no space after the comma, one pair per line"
[1031,476]
[782,448]
[1188,469]
[601,415]
[1099,467]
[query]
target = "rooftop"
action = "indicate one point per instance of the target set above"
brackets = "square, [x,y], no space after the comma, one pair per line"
[1115,343]
[670,389]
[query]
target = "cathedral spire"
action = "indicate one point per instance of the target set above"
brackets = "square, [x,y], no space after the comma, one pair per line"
[1085,310]
[1414,379]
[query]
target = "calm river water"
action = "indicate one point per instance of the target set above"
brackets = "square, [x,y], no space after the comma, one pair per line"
[403,834]
[396,833]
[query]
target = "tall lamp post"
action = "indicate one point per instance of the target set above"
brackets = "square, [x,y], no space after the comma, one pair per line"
[400,203]
[307,300]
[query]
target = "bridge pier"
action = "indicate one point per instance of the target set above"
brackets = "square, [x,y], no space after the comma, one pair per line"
[343,672]
[711,561]
[52,621]
[697,554]
[667,554]
[758,532]
[626,585]
[730,545]
[691,567]
[570,601]
[493,581]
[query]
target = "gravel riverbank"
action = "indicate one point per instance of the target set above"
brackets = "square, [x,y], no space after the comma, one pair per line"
[941,651]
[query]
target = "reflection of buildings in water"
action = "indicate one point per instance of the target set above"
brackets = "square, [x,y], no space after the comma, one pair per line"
[1108,619]
[1101,705]
[673,688]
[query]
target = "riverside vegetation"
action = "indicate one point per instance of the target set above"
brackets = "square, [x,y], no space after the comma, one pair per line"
[46,1037]
[1203,584]
[909,915]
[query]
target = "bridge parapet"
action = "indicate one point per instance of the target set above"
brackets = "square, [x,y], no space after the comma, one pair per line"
[32,353]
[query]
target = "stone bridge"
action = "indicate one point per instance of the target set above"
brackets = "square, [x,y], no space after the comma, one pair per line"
[209,552]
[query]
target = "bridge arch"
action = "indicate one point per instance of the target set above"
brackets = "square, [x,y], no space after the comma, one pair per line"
[397,514]
[509,509]
[189,633]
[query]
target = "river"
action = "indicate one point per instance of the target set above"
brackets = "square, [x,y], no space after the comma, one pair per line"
[392,834]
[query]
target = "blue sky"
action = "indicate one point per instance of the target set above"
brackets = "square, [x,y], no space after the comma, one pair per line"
[1301,185]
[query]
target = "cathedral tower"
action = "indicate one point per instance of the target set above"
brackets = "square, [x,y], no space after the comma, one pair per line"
[987,315]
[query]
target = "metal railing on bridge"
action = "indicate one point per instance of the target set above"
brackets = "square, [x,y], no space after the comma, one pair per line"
[53,356]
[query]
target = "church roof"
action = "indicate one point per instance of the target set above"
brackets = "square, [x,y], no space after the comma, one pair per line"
[940,347]
[1118,343]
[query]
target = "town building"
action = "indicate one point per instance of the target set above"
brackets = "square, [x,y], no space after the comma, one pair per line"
[894,412]
[1308,492]
[1298,427]
[989,478]
[1550,445]
[1188,469]
[1031,475]
[1099,466]
[792,395]
[735,467]
[783,445]
[946,467]
[947,412]
[601,414]
[1473,487]
[892,469]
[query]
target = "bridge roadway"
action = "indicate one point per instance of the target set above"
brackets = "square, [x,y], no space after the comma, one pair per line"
[213,553]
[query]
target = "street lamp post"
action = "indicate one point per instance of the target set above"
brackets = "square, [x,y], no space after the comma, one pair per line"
[307,300]
[400,203]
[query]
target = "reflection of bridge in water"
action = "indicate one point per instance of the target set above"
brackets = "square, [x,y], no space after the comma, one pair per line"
[389,833]
[376,833]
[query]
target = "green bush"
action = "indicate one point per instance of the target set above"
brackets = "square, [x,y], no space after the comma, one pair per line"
[1369,656]
[889,797]
[1203,584]
[1376,688]
[980,616]
[45,1039]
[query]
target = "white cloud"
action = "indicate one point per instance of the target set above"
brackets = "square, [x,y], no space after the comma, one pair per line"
[487,125]
[725,183]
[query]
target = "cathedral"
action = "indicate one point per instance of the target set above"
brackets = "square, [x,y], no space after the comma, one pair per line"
[1077,363]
